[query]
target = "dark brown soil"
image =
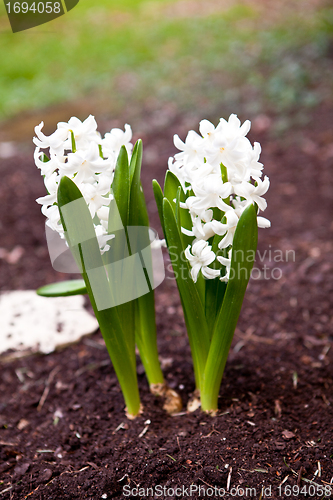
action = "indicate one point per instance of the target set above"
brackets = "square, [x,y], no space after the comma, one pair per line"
[274,427]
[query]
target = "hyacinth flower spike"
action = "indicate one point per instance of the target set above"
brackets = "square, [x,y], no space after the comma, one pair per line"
[213,192]
[94,196]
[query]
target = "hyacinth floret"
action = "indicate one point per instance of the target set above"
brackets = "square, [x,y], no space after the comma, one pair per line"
[220,173]
[77,150]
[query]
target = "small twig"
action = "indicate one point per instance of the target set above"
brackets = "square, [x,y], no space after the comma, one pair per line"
[93,343]
[119,480]
[206,483]
[282,482]
[256,338]
[229,478]
[145,429]
[47,387]
[120,426]
[179,444]
[91,366]
[254,470]
[210,433]
[299,477]
[277,409]
[50,482]
[16,355]
[302,478]
[94,466]
[326,401]
[310,481]
[20,375]
[4,491]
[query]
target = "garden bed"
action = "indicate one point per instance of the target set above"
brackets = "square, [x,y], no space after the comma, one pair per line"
[63,431]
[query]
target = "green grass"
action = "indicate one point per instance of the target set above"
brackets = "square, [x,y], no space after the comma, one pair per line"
[233,58]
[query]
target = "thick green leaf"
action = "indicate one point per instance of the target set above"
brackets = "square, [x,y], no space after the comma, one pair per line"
[192,304]
[214,293]
[186,221]
[171,188]
[119,210]
[63,289]
[145,337]
[159,201]
[177,209]
[143,219]
[138,215]
[171,184]
[145,325]
[136,159]
[121,185]
[81,237]
[244,248]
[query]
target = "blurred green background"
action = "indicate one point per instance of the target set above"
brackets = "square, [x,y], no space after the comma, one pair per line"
[247,57]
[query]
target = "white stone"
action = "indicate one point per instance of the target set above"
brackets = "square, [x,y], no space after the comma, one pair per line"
[28,321]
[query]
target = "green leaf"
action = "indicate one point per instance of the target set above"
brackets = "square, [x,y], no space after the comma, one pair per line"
[81,237]
[192,304]
[243,255]
[145,337]
[177,209]
[214,293]
[121,186]
[63,289]
[143,219]
[119,210]
[138,215]
[171,184]
[171,188]
[136,159]
[159,201]
[186,221]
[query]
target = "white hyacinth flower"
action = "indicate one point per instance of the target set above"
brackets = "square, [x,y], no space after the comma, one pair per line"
[200,258]
[75,149]
[220,174]
[84,132]
[113,141]
[226,262]
[192,148]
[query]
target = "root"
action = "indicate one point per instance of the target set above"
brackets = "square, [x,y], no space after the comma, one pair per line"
[172,401]
[194,403]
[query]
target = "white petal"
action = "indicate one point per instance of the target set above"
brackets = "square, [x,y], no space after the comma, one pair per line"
[206,127]
[262,222]
[209,273]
